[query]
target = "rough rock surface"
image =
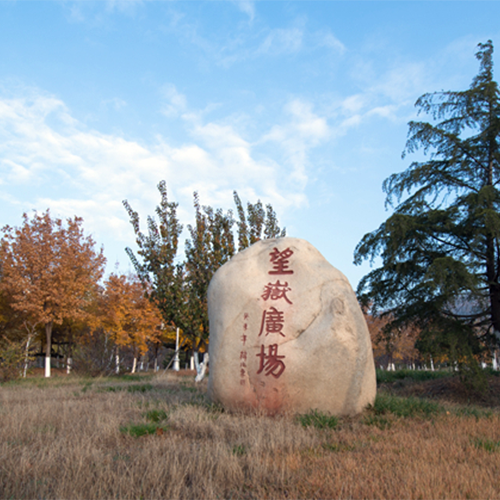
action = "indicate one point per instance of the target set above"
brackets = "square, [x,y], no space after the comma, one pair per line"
[287,333]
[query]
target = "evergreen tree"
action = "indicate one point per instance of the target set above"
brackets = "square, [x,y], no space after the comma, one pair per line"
[440,249]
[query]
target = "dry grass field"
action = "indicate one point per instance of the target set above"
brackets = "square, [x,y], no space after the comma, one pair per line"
[158,437]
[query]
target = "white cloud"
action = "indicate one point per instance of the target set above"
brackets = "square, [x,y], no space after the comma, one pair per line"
[50,160]
[124,6]
[303,131]
[247,7]
[96,12]
[175,101]
[329,40]
[282,41]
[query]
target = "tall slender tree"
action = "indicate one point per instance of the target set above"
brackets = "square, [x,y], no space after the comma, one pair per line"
[180,289]
[156,263]
[440,249]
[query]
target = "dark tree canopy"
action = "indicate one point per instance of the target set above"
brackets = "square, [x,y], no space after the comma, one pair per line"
[440,249]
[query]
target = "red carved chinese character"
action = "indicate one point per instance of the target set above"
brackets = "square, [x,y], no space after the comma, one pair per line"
[245,316]
[242,381]
[242,372]
[272,322]
[245,327]
[243,339]
[243,355]
[276,291]
[280,261]
[271,362]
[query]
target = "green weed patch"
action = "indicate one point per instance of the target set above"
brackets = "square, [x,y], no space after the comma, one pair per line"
[405,407]
[138,430]
[156,416]
[387,377]
[317,419]
[486,444]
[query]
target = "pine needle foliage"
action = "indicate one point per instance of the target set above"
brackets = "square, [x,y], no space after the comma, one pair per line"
[440,249]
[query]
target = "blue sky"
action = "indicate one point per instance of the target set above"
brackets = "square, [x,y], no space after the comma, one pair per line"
[303,105]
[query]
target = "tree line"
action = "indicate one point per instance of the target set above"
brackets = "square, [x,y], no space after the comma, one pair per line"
[53,292]
[436,293]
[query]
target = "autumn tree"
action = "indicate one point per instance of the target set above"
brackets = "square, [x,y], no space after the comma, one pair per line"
[440,249]
[128,315]
[390,347]
[48,269]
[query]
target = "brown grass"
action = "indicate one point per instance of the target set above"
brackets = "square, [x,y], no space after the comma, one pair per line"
[62,439]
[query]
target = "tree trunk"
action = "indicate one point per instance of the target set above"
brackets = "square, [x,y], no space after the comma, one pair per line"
[176,359]
[26,356]
[48,347]
[117,361]
[201,368]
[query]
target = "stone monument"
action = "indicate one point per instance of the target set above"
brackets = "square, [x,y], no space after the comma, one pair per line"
[287,333]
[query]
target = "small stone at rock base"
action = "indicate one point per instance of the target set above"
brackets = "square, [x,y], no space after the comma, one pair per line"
[287,334]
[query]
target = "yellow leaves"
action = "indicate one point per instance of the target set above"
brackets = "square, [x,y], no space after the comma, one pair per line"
[49,267]
[128,314]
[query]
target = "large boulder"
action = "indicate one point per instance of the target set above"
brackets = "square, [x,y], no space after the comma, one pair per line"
[287,333]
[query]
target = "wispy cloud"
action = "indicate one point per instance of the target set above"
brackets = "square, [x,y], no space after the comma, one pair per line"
[303,131]
[53,160]
[174,101]
[79,11]
[281,41]
[247,7]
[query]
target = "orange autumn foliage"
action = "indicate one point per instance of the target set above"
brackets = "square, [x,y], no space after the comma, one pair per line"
[128,315]
[49,269]
[394,347]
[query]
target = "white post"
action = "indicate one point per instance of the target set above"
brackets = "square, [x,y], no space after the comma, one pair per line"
[176,366]
[432,364]
[495,361]
[69,362]
[191,363]
[47,366]
[134,366]
[117,360]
